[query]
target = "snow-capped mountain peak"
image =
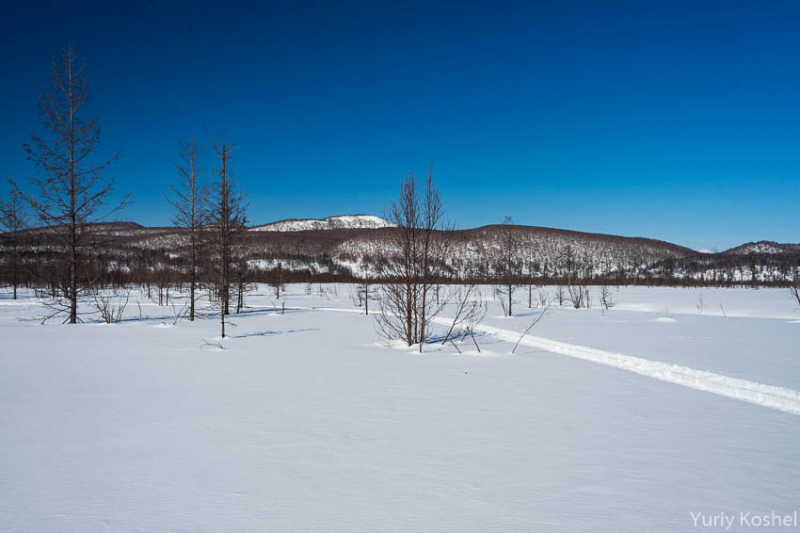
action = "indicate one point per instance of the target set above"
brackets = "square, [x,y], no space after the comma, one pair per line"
[334,222]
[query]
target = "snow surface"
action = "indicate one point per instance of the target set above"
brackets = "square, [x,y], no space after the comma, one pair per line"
[305,421]
[336,222]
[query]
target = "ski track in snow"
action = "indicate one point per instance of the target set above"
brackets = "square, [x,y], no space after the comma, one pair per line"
[778,398]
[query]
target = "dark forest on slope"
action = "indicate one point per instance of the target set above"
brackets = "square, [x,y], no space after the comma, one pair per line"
[126,252]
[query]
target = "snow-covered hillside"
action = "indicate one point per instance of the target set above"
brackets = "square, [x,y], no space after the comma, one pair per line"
[336,222]
[632,419]
[353,245]
[764,247]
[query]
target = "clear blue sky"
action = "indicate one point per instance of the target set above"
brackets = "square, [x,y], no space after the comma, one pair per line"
[672,120]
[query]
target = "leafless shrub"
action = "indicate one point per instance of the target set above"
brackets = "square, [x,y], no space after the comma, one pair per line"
[579,296]
[110,306]
[543,297]
[469,310]
[501,295]
[217,345]
[181,312]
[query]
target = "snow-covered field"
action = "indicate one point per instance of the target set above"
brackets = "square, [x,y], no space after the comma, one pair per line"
[633,419]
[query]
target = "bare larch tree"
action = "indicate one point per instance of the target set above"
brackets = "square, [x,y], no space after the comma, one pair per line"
[530,265]
[189,201]
[364,291]
[70,191]
[13,220]
[227,217]
[508,264]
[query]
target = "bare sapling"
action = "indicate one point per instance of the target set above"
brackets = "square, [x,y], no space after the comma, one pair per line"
[471,333]
[456,347]
[13,219]
[278,280]
[362,292]
[356,295]
[535,321]
[180,312]
[794,290]
[189,200]
[560,295]
[605,297]
[543,297]
[469,310]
